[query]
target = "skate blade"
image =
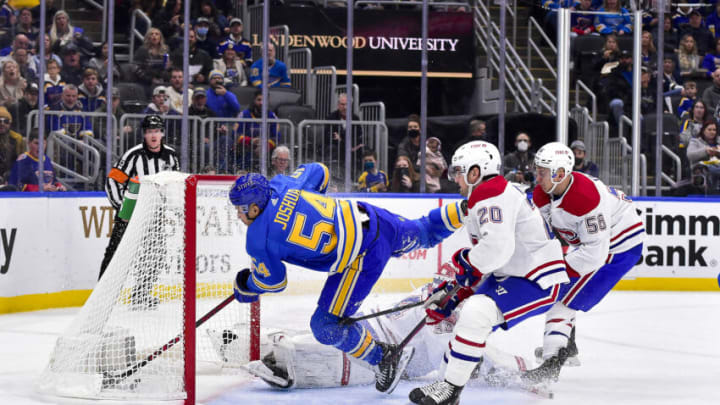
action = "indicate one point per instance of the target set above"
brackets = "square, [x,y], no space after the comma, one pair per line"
[405,358]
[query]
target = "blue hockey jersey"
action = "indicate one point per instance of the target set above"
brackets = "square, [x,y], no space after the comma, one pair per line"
[301,225]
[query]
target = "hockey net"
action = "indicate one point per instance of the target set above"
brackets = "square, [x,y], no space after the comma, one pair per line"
[135,337]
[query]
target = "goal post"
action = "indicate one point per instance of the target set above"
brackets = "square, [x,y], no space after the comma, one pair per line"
[136,336]
[191,185]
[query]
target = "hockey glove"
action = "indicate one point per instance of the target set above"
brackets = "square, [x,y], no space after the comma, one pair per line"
[442,308]
[465,273]
[240,289]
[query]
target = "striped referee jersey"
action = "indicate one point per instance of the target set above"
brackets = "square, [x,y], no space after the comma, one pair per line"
[137,161]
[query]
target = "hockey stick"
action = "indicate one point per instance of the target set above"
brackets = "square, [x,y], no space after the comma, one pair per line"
[110,380]
[399,348]
[347,321]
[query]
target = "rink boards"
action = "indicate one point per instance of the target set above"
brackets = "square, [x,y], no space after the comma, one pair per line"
[52,246]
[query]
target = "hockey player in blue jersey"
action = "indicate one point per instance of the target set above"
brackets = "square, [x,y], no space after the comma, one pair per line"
[290,219]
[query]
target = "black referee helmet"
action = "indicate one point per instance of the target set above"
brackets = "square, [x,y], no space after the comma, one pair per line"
[152,122]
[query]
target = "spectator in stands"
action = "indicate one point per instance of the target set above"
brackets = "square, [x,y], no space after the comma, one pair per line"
[169,20]
[204,40]
[54,83]
[159,103]
[703,37]
[62,34]
[671,37]
[117,112]
[12,144]
[712,21]
[200,61]
[199,104]
[20,42]
[209,169]
[711,61]
[610,54]
[336,133]
[25,26]
[4,186]
[152,58]
[22,108]
[582,24]
[688,57]
[410,145]
[251,131]
[50,11]
[519,166]
[22,58]
[704,149]
[174,92]
[277,71]
[435,164]
[617,86]
[648,93]
[91,93]
[24,174]
[681,16]
[477,133]
[100,64]
[279,161]
[72,125]
[691,127]
[689,97]
[618,23]
[72,70]
[217,21]
[230,65]
[223,102]
[242,45]
[582,165]
[372,179]
[12,85]
[648,51]
[672,82]
[711,95]
[550,20]
[49,54]
[404,179]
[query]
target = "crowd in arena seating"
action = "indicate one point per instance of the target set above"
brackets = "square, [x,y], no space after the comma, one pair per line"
[690,73]
[222,64]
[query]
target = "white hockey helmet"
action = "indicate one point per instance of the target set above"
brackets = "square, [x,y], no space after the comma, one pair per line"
[554,156]
[482,154]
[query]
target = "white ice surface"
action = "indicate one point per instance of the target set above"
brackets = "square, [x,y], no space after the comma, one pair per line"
[654,348]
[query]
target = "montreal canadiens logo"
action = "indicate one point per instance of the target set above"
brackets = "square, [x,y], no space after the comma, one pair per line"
[569,236]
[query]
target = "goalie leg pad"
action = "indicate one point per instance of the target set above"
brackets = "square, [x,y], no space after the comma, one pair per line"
[352,339]
[477,318]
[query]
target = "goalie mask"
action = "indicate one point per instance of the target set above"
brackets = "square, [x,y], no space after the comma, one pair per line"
[482,154]
[555,156]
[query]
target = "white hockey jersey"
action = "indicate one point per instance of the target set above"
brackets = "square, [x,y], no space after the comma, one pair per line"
[510,237]
[595,220]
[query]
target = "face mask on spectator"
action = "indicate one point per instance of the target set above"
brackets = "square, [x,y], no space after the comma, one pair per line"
[202,31]
[412,133]
[522,146]
[368,166]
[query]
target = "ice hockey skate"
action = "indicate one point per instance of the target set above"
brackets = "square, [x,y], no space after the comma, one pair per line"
[549,370]
[438,393]
[391,367]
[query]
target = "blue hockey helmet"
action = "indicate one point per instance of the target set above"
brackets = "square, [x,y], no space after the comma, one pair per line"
[251,188]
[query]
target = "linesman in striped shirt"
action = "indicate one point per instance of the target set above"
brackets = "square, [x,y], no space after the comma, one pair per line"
[150,157]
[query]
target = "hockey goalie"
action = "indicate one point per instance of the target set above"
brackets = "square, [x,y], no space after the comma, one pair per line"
[299,361]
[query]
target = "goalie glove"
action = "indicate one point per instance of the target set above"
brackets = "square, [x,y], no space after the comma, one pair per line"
[443,301]
[240,289]
[465,273]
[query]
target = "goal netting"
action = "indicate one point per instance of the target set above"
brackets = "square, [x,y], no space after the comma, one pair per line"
[135,337]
